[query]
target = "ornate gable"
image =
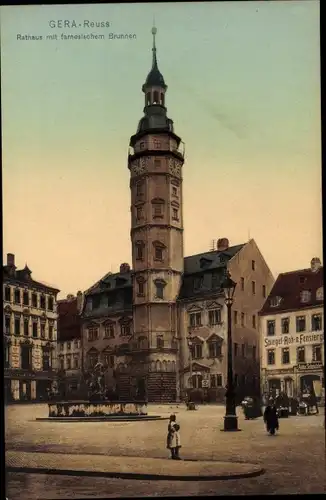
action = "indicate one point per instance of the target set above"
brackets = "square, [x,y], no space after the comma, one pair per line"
[213,337]
[92,350]
[194,308]
[214,305]
[197,367]
[196,339]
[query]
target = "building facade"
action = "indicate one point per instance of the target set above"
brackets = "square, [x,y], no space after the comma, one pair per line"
[292,333]
[203,319]
[136,322]
[69,344]
[30,334]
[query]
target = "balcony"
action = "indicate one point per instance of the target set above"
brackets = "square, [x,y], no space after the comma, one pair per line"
[179,152]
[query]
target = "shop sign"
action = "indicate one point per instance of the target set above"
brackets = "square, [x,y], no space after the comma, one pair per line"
[297,340]
[281,371]
[310,366]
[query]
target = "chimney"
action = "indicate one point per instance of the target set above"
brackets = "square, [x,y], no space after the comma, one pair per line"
[80,300]
[315,264]
[11,259]
[222,244]
[124,268]
[70,296]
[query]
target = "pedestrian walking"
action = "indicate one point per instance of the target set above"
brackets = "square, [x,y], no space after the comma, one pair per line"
[271,419]
[173,438]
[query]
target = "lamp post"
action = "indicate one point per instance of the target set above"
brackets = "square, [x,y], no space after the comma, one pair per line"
[189,341]
[230,419]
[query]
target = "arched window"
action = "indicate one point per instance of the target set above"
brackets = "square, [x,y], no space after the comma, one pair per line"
[164,366]
[155,97]
[139,247]
[158,366]
[197,380]
[162,98]
[148,99]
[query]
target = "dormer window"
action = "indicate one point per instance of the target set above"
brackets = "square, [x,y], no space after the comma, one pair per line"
[320,293]
[305,296]
[198,282]
[204,263]
[275,301]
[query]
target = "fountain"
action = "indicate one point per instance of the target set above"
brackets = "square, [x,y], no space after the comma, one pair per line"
[101,403]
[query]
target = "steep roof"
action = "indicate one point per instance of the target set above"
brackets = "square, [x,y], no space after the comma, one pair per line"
[215,259]
[289,286]
[69,321]
[23,277]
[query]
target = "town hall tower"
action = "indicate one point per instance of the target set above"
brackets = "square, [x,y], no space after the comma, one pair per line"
[155,162]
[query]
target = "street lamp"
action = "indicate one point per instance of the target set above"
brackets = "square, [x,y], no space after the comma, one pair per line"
[189,341]
[230,419]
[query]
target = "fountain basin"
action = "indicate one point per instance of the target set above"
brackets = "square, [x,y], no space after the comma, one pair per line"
[94,411]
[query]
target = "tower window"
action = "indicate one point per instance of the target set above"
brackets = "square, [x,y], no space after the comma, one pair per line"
[158,253]
[157,145]
[156,97]
[159,285]
[142,145]
[139,250]
[175,214]
[174,191]
[157,163]
[141,286]
[139,213]
[148,98]
[158,250]
[162,98]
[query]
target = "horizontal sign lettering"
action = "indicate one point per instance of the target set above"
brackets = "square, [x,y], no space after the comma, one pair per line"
[310,366]
[297,340]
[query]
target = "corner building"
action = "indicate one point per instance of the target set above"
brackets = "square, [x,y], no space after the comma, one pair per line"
[30,334]
[155,162]
[291,325]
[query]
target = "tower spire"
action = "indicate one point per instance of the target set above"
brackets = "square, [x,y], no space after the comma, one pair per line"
[154,31]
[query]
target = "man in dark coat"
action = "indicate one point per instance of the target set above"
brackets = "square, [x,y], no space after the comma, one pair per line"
[271,418]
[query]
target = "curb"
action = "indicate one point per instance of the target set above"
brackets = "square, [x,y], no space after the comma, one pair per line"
[130,475]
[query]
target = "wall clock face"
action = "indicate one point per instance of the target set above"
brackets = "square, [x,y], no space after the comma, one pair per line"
[138,167]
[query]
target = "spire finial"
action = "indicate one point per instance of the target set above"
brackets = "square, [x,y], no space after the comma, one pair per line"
[154,31]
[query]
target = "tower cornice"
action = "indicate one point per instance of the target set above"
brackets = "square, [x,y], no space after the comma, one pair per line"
[134,230]
[136,137]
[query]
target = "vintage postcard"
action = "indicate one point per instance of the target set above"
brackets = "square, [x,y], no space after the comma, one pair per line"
[162,262]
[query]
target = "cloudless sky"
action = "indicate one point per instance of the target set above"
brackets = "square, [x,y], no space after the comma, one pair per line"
[244,93]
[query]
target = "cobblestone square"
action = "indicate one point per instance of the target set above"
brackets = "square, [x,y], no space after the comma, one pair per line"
[294,460]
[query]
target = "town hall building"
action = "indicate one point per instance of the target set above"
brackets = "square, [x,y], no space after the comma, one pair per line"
[159,326]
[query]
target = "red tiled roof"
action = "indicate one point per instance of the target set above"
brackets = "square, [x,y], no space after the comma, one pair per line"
[289,286]
[69,321]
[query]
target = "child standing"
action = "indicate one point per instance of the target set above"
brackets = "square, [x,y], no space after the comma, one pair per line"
[173,438]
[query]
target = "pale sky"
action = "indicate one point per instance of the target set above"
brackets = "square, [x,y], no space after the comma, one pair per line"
[244,93]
